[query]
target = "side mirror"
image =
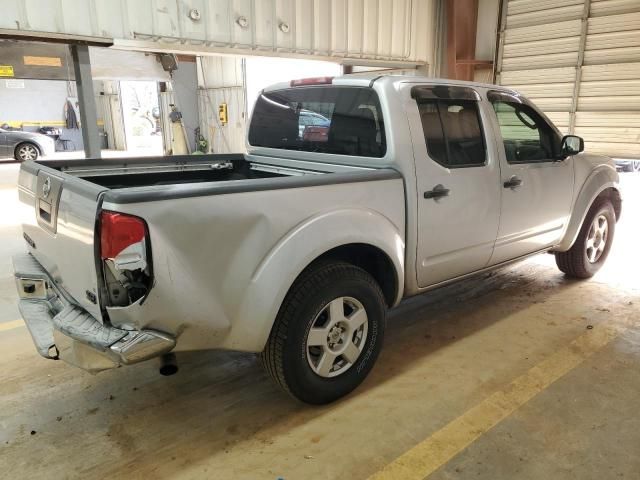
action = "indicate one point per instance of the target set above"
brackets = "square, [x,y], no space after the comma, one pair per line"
[571,145]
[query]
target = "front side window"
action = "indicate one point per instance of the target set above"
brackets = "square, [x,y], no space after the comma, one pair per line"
[526,135]
[453,132]
[339,120]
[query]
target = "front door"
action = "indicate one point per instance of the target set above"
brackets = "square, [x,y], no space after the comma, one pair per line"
[456,175]
[537,186]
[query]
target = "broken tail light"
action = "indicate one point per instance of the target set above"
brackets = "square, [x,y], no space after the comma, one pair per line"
[124,250]
[119,231]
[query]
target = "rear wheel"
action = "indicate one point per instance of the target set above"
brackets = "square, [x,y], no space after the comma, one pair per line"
[26,151]
[328,333]
[591,248]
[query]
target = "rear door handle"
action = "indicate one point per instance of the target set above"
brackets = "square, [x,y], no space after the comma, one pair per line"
[438,192]
[513,182]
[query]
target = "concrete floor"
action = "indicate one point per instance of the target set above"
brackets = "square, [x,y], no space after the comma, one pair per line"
[441,396]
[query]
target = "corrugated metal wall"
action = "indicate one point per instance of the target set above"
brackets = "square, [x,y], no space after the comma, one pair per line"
[221,81]
[580,62]
[385,30]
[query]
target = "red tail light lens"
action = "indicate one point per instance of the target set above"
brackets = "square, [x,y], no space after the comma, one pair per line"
[118,231]
[312,81]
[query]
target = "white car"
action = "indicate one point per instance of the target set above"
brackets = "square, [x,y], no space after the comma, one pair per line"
[298,248]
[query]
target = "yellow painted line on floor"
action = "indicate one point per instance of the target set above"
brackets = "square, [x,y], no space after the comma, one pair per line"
[11,325]
[436,450]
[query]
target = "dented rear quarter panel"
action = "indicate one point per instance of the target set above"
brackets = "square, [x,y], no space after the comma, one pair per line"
[223,263]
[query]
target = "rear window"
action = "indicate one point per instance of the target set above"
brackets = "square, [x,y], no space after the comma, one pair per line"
[340,120]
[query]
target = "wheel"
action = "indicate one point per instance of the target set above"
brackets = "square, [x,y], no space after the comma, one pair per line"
[328,333]
[592,246]
[26,151]
[635,166]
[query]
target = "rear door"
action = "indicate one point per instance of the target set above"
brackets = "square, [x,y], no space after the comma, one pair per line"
[537,188]
[456,174]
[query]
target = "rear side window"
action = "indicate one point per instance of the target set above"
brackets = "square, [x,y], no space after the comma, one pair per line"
[453,132]
[339,120]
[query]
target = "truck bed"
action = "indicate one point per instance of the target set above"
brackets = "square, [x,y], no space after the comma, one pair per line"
[149,171]
[172,195]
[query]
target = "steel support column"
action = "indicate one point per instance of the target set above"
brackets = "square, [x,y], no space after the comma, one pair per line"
[462,25]
[86,99]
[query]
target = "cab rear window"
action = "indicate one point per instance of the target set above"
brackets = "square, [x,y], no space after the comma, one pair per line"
[338,120]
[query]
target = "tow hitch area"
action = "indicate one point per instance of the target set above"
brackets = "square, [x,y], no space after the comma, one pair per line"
[61,329]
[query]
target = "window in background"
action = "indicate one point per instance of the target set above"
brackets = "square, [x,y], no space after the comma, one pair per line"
[339,120]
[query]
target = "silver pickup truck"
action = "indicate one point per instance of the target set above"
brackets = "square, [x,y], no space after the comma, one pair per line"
[354,193]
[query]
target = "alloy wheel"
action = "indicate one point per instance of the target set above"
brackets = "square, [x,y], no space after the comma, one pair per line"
[597,238]
[337,337]
[27,152]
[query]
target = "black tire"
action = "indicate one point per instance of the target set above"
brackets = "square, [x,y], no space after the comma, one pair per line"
[575,261]
[287,357]
[20,152]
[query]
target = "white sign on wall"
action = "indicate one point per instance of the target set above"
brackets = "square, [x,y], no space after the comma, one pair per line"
[14,83]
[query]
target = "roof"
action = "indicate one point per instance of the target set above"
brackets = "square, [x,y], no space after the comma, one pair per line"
[368,78]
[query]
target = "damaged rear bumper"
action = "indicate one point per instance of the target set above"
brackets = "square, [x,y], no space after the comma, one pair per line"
[62,330]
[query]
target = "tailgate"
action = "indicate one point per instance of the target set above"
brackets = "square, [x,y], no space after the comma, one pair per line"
[59,229]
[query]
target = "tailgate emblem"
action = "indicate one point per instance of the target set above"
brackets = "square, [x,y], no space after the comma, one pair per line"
[46,187]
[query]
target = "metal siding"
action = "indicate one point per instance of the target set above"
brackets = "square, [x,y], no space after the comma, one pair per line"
[539,76]
[382,30]
[542,17]
[221,80]
[552,30]
[227,138]
[541,60]
[613,7]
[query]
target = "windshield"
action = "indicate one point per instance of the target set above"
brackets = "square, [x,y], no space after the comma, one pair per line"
[339,120]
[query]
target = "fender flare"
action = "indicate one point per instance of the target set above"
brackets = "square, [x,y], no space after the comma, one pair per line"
[303,244]
[597,182]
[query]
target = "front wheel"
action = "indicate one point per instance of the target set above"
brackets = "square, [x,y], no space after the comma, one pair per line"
[591,248]
[26,151]
[328,333]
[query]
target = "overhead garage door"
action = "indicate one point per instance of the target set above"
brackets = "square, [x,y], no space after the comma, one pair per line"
[580,62]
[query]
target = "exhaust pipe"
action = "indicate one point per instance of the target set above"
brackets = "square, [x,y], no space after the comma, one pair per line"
[168,364]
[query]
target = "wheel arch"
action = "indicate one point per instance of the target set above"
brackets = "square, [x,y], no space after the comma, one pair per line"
[362,237]
[602,183]
[372,260]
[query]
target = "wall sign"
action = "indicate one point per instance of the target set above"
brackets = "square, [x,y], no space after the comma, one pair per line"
[42,61]
[6,71]
[14,83]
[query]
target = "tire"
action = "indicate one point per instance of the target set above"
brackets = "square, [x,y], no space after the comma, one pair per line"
[26,151]
[308,364]
[591,248]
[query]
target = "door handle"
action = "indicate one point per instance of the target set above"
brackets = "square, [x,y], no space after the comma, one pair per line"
[513,182]
[438,192]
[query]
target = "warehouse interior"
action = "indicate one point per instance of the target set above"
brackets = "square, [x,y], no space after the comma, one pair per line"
[520,372]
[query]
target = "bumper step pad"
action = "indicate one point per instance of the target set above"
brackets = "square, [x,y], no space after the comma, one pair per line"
[73,334]
[80,325]
[37,317]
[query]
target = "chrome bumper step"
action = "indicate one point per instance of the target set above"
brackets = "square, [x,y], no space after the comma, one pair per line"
[61,329]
